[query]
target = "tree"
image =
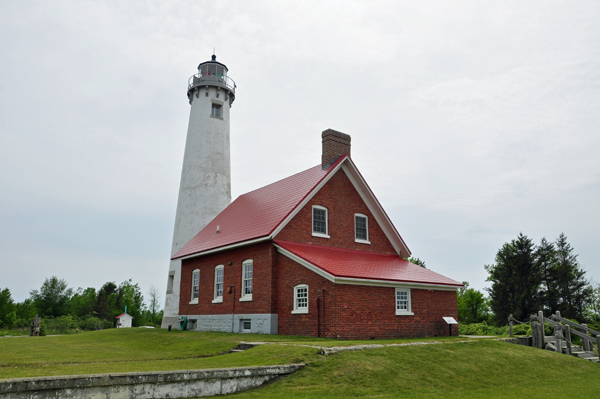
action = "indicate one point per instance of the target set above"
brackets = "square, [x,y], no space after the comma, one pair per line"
[83,302]
[592,311]
[130,295]
[7,309]
[545,258]
[25,311]
[106,301]
[52,298]
[417,261]
[515,280]
[472,305]
[571,285]
[153,303]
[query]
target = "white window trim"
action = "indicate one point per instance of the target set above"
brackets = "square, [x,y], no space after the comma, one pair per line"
[312,216]
[360,240]
[193,300]
[242,329]
[408,311]
[247,297]
[301,310]
[218,299]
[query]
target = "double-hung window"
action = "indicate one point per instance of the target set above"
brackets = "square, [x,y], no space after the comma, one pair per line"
[247,280]
[219,271]
[403,305]
[300,299]
[361,228]
[319,222]
[195,286]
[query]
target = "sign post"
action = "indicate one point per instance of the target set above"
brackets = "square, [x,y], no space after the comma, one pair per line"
[450,321]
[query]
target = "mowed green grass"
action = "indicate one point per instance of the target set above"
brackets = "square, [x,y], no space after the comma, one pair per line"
[134,349]
[482,369]
[452,369]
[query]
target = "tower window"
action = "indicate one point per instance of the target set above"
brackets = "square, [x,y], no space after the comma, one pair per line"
[217,111]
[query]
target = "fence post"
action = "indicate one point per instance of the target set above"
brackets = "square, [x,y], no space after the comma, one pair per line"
[568,337]
[542,331]
[598,342]
[558,313]
[510,321]
[584,340]
[558,334]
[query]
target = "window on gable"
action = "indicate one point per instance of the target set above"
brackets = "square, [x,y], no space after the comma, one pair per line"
[361,228]
[403,305]
[300,299]
[195,286]
[219,271]
[216,111]
[247,280]
[319,221]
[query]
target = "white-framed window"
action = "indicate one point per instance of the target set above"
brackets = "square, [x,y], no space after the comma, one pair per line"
[300,299]
[219,272]
[361,228]
[195,286]
[216,111]
[403,305]
[247,280]
[246,325]
[320,226]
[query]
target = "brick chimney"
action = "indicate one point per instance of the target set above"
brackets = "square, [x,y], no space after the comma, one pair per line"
[334,144]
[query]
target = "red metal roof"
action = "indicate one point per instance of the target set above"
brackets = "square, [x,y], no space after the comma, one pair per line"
[122,315]
[258,213]
[353,264]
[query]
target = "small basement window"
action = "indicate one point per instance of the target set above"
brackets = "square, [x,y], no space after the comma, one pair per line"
[246,325]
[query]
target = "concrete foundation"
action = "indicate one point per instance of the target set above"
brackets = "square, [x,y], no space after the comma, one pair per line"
[259,323]
[154,384]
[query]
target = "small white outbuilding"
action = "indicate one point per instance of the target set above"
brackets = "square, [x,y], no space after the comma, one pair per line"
[124,320]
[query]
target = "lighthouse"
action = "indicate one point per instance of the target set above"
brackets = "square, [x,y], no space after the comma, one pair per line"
[205,187]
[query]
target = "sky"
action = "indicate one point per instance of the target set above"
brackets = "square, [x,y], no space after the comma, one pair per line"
[471,121]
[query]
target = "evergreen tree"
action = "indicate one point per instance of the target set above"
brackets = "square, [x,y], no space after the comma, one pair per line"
[106,301]
[515,280]
[545,259]
[7,309]
[573,290]
[83,302]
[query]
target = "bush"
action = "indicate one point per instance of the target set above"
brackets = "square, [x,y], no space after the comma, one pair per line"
[481,329]
[522,329]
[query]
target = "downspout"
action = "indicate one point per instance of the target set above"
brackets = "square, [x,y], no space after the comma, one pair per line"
[232,308]
[318,317]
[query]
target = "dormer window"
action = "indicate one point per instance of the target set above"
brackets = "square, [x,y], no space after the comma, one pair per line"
[319,222]
[361,228]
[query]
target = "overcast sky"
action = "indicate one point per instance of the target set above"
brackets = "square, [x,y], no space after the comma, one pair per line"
[471,121]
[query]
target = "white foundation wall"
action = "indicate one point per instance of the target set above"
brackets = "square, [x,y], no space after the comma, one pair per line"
[205,187]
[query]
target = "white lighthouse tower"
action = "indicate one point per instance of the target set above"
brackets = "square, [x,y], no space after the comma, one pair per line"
[205,188]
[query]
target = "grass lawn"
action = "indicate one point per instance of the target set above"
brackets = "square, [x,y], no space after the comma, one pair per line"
[453,369]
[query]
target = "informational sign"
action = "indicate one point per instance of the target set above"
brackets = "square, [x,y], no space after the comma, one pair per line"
[450,320]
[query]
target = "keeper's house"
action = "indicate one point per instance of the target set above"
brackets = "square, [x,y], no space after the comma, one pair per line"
[313,254]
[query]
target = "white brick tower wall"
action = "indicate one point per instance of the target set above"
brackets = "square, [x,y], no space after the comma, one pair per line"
[205,188]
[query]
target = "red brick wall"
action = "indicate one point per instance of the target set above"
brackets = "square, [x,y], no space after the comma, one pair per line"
[342,201]
[263,255]
[357,312]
